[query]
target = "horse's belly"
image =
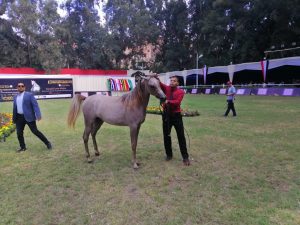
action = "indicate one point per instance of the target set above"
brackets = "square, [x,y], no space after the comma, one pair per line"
[114,118]
[122,118]
[116,123]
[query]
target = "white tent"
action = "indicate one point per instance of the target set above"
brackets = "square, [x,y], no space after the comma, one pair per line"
[231,69]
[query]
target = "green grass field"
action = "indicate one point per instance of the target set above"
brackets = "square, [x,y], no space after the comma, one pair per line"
[245,170]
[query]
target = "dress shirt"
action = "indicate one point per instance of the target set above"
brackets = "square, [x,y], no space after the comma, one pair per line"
[20,103]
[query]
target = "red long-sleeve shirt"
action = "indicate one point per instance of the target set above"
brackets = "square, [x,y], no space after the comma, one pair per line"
[175,100]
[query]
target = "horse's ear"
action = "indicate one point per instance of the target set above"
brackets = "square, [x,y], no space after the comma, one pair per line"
[138,76]
[138,73]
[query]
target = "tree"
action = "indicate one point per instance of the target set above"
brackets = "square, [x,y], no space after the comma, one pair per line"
[35,24]
[24,20]
[12,49]
[83,38]
[131,25]
[175,49]
[32,34]
[49,48]
[239,31]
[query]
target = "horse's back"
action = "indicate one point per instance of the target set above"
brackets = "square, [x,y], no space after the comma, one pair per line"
[94,102]
[107,108]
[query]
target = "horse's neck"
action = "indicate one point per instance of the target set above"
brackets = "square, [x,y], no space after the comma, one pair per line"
[145,95]
[146,98]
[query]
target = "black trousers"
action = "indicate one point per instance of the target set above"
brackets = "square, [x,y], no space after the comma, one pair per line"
[168,122]
[230,106]
[20,125]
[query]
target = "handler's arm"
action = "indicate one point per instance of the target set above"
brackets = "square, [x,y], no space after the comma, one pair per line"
[176,102]
[163,86]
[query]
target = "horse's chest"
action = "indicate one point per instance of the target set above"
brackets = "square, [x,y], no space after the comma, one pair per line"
[136,116]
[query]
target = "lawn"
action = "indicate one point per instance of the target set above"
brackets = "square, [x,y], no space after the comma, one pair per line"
[245,170]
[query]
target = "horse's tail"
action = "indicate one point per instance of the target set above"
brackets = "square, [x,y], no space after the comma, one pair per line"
[75,109]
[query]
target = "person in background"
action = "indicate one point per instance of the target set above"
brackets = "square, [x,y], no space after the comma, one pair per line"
[230,99]
[26,111]
[172,117]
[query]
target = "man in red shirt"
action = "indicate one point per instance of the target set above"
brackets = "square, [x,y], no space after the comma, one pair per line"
[172,117]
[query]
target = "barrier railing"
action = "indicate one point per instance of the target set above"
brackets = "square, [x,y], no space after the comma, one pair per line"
[270,90]
[268,85]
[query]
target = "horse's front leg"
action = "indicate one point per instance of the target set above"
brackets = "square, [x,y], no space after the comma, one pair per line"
[134,133]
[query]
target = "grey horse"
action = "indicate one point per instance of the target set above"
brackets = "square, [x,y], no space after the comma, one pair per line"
[126,110]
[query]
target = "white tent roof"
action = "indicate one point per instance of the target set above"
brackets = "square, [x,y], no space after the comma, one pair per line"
[231,69]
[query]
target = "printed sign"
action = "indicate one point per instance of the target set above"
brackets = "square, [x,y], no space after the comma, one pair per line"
[222,91]
[42,88]
[194,91]
[207,91]
[288,92]
[240,91]
[262,91]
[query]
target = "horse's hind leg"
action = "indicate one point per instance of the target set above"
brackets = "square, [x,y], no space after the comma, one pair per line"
[134,132]
[85,137]
[96,126]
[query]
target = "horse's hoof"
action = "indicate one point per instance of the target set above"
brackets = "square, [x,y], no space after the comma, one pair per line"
[89,160]
[136,166]
[97,153]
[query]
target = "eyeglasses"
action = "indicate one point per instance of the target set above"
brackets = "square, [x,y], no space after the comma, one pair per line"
[20,85]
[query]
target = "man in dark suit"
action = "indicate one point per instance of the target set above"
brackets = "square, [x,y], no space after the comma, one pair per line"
[26,111]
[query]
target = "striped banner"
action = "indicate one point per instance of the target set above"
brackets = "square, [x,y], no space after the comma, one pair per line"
[119,84]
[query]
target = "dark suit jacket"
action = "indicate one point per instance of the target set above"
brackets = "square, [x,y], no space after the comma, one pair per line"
[30,108]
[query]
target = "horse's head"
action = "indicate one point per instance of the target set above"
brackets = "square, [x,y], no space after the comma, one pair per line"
[153,86]
[151,83]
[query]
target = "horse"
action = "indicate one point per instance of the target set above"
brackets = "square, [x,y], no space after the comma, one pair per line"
[126,110]
[35,87]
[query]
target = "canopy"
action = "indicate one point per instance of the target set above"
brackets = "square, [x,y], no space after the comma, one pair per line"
[262,66]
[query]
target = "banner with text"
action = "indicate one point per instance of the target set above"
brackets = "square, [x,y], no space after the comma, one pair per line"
[42,88]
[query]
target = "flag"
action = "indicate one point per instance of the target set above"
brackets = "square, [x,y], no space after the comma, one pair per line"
[204,70]
[130,85]
[126,85]
[264,68]
[113,85]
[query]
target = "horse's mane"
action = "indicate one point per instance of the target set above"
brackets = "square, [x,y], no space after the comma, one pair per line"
[135,97]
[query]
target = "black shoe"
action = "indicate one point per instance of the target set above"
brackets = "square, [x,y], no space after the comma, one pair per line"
[168,158]
[21,150]
[49,146]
